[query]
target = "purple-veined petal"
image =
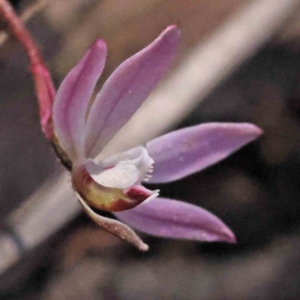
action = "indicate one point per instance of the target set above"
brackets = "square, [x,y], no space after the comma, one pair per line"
[114,227]
[72,99]
[189,150]
[127,88]
[175,219]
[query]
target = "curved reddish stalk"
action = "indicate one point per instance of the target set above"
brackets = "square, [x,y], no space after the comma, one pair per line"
[44,87]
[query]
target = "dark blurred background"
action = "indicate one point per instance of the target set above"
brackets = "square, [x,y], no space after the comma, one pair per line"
[256,191]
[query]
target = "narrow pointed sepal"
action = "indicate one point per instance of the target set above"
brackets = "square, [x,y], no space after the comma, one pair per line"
[175,219]
[114,227]
[185,151]
[73,97]
[127,88]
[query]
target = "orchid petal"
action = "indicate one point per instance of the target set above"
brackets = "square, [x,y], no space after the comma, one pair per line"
[125,155]
[175,219]
[72,99]
[122,170]
[114,227]
[189,150]
[127,88]
[121,176]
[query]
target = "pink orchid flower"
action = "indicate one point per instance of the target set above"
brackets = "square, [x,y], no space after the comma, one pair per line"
[82,129]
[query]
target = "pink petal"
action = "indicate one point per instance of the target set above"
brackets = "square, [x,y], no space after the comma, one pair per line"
[73,96]
[175,219]
[189,150]
[127,88]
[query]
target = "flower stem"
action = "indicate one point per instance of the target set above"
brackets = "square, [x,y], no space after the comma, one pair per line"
[44,87]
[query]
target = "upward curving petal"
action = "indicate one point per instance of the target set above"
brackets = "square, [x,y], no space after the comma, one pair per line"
[127,88]
[175,219]
[72,99]
[121,176]
[122,170]
[189,150]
